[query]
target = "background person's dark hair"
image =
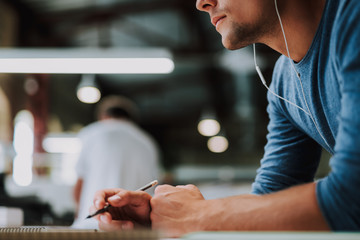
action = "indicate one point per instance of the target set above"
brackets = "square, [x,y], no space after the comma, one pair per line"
[114,106]
[118,112]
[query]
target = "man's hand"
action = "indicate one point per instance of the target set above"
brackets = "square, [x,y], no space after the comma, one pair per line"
[182,209]
[176,210]
[129,209]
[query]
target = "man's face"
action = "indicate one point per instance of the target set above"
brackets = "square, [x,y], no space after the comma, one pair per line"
[240,22]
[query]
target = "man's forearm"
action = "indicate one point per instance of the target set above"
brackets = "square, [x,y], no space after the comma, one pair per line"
[293,209]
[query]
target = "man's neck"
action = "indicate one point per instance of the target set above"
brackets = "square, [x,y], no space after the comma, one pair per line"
[300,19]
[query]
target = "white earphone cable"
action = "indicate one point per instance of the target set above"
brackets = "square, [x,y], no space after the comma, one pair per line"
[262,78]
[308,112]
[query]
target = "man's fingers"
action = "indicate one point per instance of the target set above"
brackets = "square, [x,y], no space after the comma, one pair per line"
[116,225]
[133,198]
[101,196]
[118,198]
[106,218]
[92,210]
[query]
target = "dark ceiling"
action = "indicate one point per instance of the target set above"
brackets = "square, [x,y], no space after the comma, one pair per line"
[205,74]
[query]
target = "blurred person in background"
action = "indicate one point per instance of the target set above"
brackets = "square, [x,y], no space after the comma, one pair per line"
[116,152]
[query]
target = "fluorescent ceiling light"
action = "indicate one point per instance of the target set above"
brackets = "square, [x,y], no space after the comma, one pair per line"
[87,65]
[86,61]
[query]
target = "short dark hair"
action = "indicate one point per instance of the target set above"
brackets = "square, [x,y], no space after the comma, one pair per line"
[118,112]
[117,107]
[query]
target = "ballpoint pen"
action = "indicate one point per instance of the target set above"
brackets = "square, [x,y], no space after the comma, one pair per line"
[106,208]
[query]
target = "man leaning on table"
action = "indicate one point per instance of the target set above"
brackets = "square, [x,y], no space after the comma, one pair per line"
[318,78]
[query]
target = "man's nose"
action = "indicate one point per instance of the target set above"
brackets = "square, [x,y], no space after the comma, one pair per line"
[205,5]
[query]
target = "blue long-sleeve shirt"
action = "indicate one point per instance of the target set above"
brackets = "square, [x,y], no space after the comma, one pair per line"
[330,75]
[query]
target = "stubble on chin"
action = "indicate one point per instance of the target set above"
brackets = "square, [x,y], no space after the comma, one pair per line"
[243,35]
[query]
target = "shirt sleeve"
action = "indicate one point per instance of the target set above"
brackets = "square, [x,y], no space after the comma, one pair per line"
[290,158]
[338,194]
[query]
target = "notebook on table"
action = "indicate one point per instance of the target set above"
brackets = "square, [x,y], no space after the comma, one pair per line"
[64,233]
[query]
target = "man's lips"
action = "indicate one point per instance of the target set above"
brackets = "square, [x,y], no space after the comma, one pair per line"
[215,20]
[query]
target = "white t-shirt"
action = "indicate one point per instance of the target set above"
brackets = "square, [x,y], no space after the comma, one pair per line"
[115,154]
